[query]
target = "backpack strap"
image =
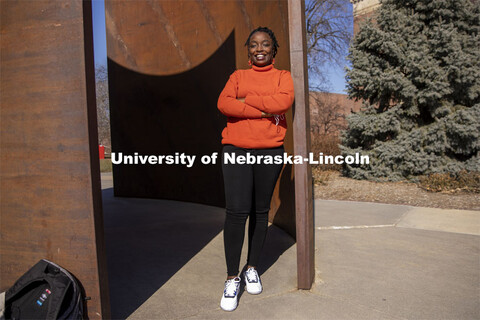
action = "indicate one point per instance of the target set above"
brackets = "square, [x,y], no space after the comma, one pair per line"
[60,285]
[63,282]
[2,306]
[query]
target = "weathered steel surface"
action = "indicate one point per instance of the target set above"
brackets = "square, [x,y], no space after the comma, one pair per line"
[163,37]
[301,128]
[49,174]
[168,62]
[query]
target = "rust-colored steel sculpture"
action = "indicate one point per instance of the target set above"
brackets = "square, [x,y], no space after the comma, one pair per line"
[49,171]
[168,62]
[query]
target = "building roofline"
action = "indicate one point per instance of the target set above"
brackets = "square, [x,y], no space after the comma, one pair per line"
[361,7]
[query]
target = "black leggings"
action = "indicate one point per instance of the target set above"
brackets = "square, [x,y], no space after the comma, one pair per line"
[248,192]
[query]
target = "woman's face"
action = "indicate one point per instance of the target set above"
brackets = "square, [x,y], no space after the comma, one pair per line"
[260,49]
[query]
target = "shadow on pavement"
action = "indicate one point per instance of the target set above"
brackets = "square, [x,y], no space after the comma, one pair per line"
[276,243]
[148,241]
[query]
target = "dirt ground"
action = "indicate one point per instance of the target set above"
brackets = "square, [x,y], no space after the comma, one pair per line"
[337,187]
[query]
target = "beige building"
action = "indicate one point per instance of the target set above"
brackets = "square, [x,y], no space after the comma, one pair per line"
[363,9]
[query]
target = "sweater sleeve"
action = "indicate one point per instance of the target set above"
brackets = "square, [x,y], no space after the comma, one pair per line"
[230,106]
[277,103]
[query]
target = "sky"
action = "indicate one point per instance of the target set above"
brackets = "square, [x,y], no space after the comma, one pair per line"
[99,33]
[336,74]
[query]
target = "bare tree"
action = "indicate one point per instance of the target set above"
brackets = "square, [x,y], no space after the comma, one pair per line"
[329,31]
[328,114]
[103,107]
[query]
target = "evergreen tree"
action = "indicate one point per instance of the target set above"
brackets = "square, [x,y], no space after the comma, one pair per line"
[417,69]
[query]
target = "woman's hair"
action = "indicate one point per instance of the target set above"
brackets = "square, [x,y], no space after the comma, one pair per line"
[270,33]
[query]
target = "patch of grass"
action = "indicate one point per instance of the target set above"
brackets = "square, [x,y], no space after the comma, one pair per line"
[451,182]
[320,176]
[105,165]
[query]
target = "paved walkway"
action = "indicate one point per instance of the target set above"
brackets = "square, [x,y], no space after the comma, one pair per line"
[373,261]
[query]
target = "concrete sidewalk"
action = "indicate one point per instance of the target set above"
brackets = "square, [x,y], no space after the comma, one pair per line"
[373,261]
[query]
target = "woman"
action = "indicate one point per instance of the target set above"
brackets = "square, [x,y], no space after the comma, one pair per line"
[254,101]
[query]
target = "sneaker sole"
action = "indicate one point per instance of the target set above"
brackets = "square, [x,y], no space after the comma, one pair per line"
[229,310]
[254,292]
[232,309]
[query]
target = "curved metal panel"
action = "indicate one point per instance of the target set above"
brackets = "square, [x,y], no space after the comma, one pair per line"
[160,37]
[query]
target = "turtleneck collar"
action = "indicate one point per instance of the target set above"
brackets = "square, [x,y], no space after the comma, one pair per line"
[262,69]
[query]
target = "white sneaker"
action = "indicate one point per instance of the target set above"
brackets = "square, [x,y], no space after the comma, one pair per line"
[252,281]
[230,294]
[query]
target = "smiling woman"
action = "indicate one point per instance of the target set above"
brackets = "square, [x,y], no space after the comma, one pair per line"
[255,102]
[262,47]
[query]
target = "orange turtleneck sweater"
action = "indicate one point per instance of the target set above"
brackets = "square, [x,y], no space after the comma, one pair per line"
[265,89]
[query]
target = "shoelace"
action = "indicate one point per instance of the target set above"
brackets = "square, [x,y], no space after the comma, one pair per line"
[230,288]
[252,275]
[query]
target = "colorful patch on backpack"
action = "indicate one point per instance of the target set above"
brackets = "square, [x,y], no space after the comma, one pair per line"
[43,297]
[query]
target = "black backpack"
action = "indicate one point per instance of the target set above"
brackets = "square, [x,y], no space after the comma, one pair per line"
[46,291]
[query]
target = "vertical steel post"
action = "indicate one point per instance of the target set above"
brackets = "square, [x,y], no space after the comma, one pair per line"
[301,138]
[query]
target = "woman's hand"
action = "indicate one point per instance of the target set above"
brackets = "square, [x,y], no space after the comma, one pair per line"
[264,114]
